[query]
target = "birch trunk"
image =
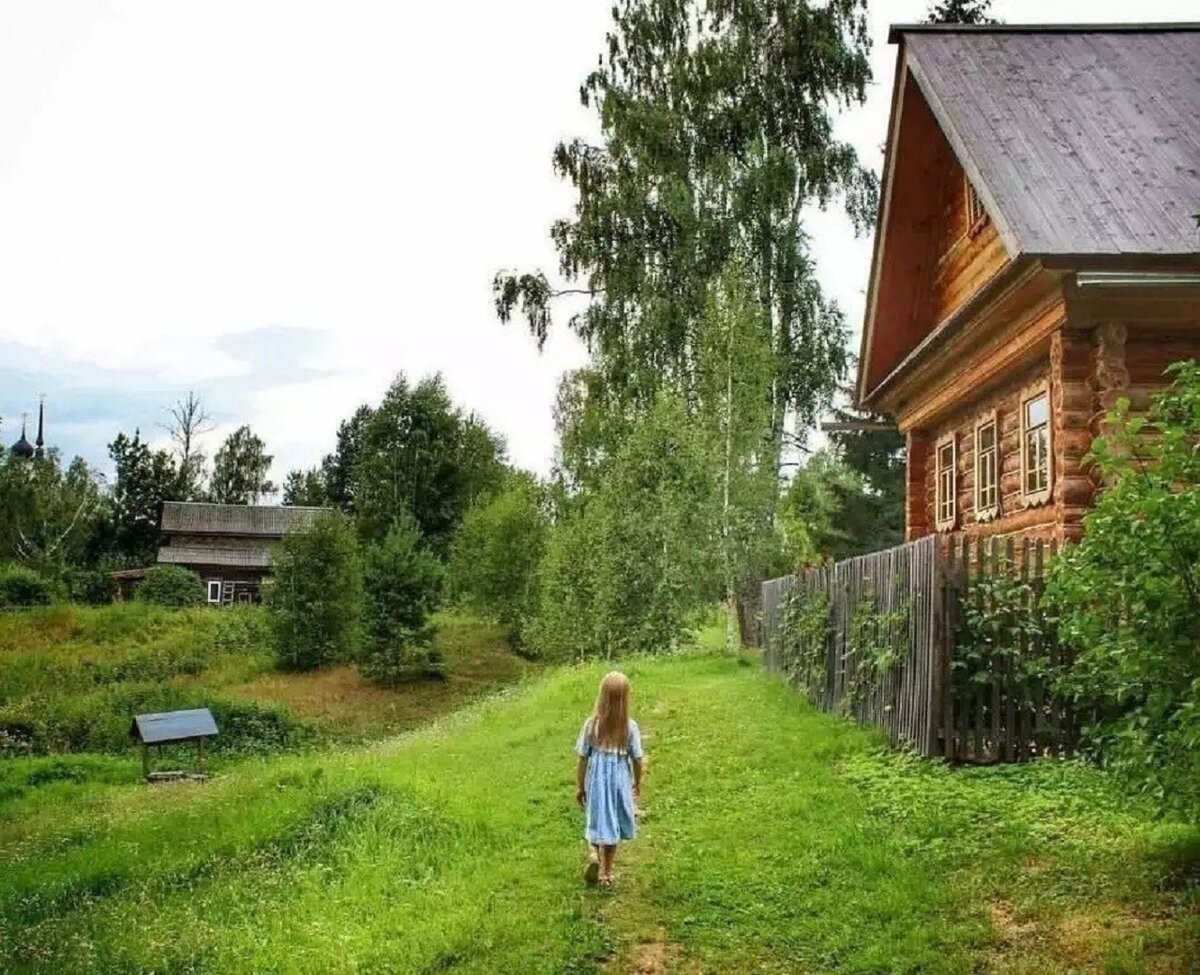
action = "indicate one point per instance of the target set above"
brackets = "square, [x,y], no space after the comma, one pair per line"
[732,616]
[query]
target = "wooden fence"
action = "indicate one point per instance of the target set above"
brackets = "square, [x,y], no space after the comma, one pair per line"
[943,644]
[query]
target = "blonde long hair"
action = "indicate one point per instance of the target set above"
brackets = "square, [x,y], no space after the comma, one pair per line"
[609,724]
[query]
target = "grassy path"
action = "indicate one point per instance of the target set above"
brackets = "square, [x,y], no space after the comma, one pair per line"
[775,839]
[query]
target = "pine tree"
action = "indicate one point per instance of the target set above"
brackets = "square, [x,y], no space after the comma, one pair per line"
[960,12]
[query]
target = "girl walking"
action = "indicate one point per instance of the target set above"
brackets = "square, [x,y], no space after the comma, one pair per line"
[608,776]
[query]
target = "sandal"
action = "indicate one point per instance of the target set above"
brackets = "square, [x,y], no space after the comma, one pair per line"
[591,872]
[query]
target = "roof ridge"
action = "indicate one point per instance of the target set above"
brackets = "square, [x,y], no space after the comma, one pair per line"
[243,507]
[897,31]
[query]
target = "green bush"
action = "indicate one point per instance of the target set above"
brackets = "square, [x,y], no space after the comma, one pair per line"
[401,584]
[71,678]
[315,599]
[170,585]
[90,587]
[21,586]
[497,551]
[1127,597]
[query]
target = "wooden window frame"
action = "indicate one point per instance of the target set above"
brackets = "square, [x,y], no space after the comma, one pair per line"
[989,511]
[208,592]
[945,523]
[1041,495]
[976,212]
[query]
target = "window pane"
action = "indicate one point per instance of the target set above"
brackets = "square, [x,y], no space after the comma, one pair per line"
[945,456]
[1036,413]
[987,436]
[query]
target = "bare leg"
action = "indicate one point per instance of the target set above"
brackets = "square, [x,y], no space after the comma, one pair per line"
[607,855]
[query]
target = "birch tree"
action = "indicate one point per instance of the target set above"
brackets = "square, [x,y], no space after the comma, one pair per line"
[735,386]
[717,129]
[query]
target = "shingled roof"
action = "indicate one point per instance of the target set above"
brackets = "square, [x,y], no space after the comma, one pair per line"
[1082,140]
[266,521]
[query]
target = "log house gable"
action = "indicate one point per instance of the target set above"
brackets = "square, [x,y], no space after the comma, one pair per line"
[938,240]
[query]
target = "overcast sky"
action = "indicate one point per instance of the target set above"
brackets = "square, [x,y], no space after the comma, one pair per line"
[283,204]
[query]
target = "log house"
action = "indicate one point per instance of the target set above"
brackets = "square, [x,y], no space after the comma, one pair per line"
[1036,257]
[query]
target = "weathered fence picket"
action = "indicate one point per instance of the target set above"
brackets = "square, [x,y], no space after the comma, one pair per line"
[874,659]
[942,643]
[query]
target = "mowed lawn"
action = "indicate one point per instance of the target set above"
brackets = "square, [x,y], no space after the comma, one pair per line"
[775,839]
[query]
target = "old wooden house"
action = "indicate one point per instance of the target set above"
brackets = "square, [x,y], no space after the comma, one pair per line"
[229,545]
[1037,256]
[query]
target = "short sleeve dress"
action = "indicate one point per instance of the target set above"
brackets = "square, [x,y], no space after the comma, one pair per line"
[609,787]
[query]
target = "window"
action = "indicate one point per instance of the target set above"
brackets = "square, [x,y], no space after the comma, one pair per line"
[947,485]
[214,590]
[976,214]
[1035,447]
[987,492]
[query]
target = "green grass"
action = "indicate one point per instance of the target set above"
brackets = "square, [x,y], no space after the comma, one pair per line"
[775,839]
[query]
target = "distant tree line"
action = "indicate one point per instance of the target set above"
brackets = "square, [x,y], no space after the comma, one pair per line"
[72,525]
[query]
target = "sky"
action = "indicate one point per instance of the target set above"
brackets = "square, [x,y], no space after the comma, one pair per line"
[282,205]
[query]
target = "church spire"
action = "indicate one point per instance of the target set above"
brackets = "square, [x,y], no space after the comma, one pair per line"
[41,438]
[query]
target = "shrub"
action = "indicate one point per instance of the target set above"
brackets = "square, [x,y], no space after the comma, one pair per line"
[91,587]
[315,600]
[401,584]
[497,551]
[170,585]
[1127,597]
[21,586]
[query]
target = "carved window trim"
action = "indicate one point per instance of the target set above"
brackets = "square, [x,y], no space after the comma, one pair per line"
[976,212]
[1040,494]
[945,495]
[987,508]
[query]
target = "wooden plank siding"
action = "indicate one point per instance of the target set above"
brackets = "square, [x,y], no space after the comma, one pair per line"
[935,257]
[967,254]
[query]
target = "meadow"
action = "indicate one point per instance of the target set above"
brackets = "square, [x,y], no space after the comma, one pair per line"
[71,677]
[774,839]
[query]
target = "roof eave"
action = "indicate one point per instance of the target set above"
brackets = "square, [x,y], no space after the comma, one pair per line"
[1013,274]
[889,159]
[908,62]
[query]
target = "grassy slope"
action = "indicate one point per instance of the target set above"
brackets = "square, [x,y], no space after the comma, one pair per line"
[73,676]
[775,840]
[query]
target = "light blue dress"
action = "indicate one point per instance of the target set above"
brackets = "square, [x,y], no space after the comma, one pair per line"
[609,787]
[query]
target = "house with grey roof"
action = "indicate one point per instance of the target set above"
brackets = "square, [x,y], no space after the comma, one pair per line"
[1037,257]
[229,545]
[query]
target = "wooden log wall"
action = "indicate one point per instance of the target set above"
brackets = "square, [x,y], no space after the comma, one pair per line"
[1015,514]
[1073,407]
